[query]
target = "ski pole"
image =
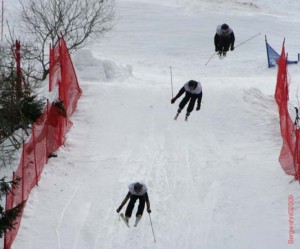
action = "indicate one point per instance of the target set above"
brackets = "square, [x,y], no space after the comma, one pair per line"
[247,40]
[152,228]
[210,58]
[171,81]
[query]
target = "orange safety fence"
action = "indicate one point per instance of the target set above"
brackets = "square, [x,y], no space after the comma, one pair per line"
[289,156]
[48,132]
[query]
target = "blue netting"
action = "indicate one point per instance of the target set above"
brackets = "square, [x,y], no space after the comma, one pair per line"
[273,56]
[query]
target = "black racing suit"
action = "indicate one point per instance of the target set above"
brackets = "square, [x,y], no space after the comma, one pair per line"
[132,199]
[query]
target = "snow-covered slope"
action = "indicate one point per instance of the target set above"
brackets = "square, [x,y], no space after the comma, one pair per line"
[214,181]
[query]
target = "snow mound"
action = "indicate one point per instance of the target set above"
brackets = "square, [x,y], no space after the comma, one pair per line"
[90,68]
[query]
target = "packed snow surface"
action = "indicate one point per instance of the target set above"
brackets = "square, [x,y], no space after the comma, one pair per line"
[215,181]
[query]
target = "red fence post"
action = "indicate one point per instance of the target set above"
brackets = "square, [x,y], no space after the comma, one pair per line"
[70,92]
[2,19]
[19,72]
[50,67]
[34,155]
[297,156]
[47,132]
[5,240]
[23,175]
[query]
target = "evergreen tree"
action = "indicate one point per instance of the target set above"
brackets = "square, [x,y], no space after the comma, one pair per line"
[8,217]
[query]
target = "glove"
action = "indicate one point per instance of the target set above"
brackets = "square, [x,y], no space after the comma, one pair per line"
[118,209]
[149,210]
[173,100]
[198,107]
[231,48]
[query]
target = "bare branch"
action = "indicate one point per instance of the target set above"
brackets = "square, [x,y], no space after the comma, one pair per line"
[77,20]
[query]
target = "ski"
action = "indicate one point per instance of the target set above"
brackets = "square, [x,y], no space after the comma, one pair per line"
[123,218]
[222,55]
[186,118]
[137,221]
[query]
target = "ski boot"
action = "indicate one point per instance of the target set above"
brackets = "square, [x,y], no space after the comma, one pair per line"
[125,219]
[178,112]
[187,116]
[138,218]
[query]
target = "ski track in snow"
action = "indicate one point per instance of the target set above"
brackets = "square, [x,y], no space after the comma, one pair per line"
[164,156]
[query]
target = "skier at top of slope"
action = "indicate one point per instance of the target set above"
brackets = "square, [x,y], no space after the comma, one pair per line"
[137,190]
[224,38]
[193,92]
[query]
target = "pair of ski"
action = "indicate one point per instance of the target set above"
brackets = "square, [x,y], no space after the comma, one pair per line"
[221,55]
[122,216]
[175,118]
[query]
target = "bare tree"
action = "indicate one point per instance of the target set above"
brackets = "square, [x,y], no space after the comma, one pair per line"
[77,20]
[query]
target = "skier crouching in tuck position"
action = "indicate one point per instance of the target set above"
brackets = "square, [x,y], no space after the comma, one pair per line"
[137,190]
[224,38]
[193,92]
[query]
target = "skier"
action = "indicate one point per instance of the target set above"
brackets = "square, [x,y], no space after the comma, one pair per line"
[137,190]
[224,38]
[193,92]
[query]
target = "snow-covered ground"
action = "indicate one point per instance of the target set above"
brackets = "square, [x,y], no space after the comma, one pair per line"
[214,181]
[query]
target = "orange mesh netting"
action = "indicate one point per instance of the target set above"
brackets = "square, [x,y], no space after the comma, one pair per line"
[48,132]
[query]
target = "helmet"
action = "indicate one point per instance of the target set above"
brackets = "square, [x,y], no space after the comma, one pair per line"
[192,84]
[138,187]
[224,26]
